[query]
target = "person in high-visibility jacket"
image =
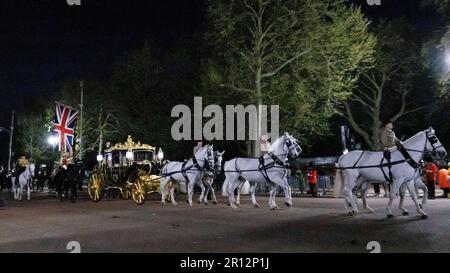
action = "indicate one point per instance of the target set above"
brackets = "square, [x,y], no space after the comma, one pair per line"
[312,179]
[443,180]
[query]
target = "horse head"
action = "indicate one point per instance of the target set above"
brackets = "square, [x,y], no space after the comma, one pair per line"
[291,145]
[206,156]
[32,169]
[218,161]
[433,144]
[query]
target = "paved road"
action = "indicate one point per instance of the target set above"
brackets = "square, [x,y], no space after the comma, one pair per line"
[313,225]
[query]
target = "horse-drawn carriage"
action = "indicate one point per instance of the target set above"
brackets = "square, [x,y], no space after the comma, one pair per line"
[131,168]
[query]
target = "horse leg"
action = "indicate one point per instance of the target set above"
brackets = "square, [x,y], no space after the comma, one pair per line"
[192,181]
[230,191]
[401,193]
[252,192]
[20,192]
[412,190]
[28,189]
[364,190]
[202,186]
[350,203]
[205,183]
[420,185]
[239,187]
[172,196]
[213,194]
[393,193]
[162,189]
[287,194]
[272,194]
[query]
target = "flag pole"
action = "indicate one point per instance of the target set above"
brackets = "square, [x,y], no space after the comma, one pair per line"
[80,154]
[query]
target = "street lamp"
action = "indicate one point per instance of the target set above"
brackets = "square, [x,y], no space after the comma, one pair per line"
[53,140]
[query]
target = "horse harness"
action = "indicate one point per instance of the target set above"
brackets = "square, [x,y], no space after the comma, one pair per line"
[387,155]
[264,167]
[194,164]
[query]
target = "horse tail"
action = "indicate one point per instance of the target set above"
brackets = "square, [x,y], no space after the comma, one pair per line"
[338,182]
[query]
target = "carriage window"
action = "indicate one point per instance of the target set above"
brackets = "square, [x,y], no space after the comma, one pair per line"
[143,155]
[116,159]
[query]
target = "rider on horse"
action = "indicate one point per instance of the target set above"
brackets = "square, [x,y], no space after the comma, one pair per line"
[21,165]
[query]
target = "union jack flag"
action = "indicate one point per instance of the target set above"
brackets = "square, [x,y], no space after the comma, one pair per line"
[64,125]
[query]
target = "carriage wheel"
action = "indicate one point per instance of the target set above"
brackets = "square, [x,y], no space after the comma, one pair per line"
[126,192]
[138,193]
[95,187]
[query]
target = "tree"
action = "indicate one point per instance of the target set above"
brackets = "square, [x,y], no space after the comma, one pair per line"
[146,84]
[304,55]
[388,85]
[31,136]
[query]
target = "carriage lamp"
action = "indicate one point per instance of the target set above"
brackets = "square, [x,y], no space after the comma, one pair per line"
[160,155]
[100,158]
[345,151]
[129,155]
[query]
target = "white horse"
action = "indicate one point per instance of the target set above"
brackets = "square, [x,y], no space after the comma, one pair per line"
[360,167]
[25,179]
[270,168]
[190,172]
[208,178]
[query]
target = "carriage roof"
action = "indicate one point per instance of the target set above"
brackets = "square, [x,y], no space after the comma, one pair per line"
[130,145]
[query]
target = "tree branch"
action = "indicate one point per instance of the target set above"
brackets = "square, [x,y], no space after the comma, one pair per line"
[273,73]
[355,125]
[235,88]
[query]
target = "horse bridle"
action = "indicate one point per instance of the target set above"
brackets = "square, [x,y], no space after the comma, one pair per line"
[292,146]
[433,140]
[209,158]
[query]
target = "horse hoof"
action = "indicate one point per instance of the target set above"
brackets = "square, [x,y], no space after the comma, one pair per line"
[405,213]
[206,203]
[390,216]
[238,205]
[424,216]
[288,205]
[215,203]
[370,210]
[257,206]
[175,204]
[236,209]
[198,202]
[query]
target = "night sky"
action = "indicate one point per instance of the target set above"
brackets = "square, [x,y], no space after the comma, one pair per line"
[44,42]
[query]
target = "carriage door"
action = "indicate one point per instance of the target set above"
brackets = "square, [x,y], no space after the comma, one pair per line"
[116,167]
